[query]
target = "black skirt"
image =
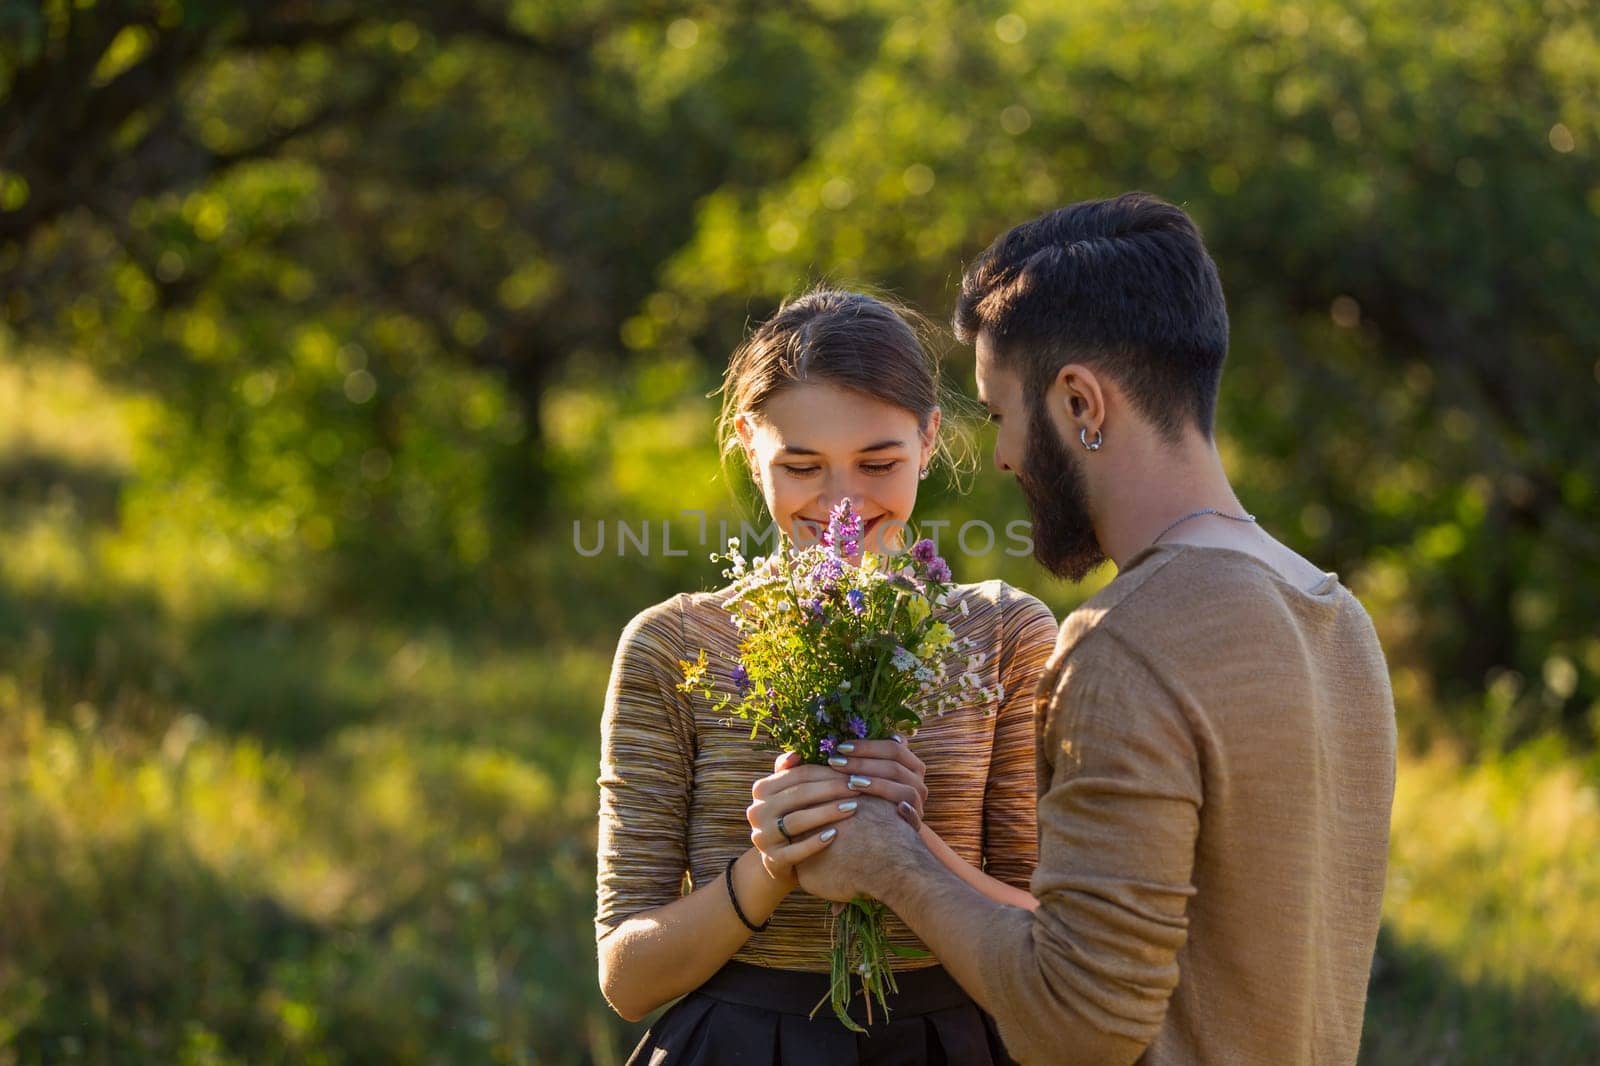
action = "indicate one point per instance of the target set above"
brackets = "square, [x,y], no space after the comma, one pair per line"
[754,1016]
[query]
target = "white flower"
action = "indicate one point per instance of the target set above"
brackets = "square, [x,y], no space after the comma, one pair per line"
[903,660]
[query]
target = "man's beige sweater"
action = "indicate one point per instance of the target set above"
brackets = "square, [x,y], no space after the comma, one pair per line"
[1216,767]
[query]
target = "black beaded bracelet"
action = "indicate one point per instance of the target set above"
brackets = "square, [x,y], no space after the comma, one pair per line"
[727,875]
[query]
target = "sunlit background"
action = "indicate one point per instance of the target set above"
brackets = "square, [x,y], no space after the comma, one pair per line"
[326,329]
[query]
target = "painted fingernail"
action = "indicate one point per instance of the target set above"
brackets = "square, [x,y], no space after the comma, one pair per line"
[829,834]
[850,805]
[858,782]
[836,760]
[846,747]
[897,738]
[907,811]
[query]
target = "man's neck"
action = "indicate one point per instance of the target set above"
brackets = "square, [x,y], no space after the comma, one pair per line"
[1154,484]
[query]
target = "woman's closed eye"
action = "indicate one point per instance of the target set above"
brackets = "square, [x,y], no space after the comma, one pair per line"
[879,468]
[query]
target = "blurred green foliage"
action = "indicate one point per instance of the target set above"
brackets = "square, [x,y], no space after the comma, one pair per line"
[330,333]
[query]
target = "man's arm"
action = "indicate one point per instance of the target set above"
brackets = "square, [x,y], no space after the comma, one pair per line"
[1089,974]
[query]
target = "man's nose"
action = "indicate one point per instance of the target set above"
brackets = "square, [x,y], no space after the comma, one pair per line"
[1000,463]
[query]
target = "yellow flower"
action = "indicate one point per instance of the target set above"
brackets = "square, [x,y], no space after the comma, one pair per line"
[937,638]
[694,673]
[918,608]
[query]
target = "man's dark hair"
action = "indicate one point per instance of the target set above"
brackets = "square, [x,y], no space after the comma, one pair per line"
[1123,285]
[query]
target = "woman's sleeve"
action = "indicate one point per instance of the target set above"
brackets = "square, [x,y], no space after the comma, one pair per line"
[646,771]
[1010,838]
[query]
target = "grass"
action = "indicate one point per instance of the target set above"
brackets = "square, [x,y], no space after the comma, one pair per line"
[1491,953]
[235,829]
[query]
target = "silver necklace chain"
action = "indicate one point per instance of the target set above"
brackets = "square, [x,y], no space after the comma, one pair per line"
[1198,514]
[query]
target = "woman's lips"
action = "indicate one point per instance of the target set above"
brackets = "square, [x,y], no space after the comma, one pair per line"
[867,527]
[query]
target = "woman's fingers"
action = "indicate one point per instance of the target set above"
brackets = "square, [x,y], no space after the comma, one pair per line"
[802,849]
[779,781]
[881,769]
[892,750]
[884,788]
[910,814]
[798,823]
[765,812]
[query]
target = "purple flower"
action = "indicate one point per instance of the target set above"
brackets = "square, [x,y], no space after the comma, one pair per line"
[741,679]
[827,745]
[939,571]
[844,530]
[826,574]
[815,606]
[857,600]
[857,725]
[923,551]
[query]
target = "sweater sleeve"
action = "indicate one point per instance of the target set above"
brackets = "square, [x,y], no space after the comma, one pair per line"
[646,771]
[1092,970]
[1010,839]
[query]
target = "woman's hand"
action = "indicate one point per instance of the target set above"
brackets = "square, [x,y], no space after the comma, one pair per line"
[891,769]
[810,798]
[791,810]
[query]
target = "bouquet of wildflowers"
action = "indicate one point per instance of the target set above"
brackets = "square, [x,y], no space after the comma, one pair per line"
[830,651]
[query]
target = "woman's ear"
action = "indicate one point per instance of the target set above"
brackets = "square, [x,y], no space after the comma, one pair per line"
[747,437]
[930,439]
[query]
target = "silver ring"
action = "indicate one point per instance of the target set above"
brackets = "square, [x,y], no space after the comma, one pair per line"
[784,831]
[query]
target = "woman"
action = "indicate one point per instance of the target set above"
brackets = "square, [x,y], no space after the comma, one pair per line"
[832,398]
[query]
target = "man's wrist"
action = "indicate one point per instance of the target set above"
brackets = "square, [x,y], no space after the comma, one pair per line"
[905,861]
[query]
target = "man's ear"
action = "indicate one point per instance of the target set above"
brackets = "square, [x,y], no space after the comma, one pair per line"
[1077,400]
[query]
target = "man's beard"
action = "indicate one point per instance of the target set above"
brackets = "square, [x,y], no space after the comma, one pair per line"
[1064,540]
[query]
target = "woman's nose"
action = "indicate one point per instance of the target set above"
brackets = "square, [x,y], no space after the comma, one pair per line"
[838,491]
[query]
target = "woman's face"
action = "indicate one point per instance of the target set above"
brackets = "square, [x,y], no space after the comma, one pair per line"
[815,445]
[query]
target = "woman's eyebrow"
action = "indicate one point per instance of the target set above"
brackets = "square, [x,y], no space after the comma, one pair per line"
[797,449]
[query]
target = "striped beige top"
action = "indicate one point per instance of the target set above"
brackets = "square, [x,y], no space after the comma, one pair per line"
[675,777]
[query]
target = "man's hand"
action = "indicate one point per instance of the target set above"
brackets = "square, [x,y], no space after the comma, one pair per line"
[872,846]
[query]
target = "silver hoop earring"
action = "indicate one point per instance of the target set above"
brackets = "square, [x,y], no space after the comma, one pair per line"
[922,475]
[1093,446]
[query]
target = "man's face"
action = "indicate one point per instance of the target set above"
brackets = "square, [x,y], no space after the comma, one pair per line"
[1028,445]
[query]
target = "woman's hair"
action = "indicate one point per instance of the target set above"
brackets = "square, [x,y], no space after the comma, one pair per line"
[869,344]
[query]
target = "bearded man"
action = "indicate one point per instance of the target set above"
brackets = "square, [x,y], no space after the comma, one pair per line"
[1215,730]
